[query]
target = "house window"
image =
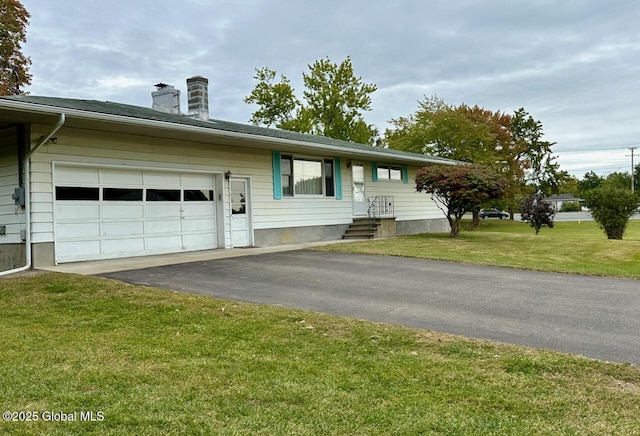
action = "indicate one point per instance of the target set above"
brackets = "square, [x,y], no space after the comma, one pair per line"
[307,177]
[286,166]
[329,178]
[389,173]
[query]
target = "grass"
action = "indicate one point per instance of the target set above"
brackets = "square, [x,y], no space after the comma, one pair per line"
[569,247]
[159,363]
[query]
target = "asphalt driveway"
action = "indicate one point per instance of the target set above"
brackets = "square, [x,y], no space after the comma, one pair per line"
[595,317]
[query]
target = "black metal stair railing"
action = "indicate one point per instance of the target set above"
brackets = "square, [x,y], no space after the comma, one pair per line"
[380,206]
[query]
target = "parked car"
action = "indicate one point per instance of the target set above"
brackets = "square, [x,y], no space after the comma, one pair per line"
[492,213]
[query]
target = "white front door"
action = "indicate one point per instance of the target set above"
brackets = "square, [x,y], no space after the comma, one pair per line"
[240,213]
[360,205]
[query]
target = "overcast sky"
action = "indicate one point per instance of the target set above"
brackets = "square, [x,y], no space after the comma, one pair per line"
[574,65]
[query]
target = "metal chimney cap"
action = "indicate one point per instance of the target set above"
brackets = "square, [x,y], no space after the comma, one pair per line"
[160,86]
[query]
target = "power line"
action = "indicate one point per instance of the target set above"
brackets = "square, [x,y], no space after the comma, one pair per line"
[632,169]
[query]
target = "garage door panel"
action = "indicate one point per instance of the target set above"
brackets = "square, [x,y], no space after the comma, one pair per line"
[158,179]
[196,180]
[163,242]
[119,211]
[198,210]
[78,230]
[121,177]
[80,250]
[122,245]
[67,210]
[199,241]
[122,228]
[101,229]
[162,227]
[163,210]
[199,225]
[77,176]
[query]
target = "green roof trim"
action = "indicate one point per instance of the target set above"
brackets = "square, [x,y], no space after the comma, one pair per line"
[142,113]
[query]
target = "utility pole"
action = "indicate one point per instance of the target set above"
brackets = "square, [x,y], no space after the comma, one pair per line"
[632,169]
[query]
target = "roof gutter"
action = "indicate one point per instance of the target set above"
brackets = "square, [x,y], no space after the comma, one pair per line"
[27,196]
[45,138]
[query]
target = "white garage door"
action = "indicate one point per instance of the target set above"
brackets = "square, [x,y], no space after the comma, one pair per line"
[103,213]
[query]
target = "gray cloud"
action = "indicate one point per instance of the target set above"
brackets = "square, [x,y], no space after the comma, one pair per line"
[574,65]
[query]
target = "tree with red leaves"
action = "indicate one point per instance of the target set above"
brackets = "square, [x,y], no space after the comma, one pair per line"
[458,189]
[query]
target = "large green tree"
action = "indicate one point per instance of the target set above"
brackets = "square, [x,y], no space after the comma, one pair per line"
[589,181]
[468,134]
[534,154]
[333,102]
[513,145]
[14,65]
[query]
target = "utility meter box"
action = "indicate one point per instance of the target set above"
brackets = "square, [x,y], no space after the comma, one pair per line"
[18,196]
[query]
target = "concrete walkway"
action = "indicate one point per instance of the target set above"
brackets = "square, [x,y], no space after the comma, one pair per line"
[133,263]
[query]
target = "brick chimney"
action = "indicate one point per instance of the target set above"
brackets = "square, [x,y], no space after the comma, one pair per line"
[198,97]
[166,98]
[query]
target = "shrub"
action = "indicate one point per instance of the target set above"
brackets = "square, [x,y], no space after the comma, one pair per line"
[570,206]
[611,208]
[537,212]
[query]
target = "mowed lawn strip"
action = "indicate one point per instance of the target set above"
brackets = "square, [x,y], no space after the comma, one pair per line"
[158,363]
[569,247]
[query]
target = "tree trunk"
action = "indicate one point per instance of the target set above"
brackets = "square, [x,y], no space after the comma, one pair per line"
[455,227]
[475,222]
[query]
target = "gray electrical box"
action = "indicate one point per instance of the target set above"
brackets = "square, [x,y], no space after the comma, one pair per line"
[18,196]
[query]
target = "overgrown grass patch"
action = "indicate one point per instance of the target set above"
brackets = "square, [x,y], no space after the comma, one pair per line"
[569,247]
[158,363]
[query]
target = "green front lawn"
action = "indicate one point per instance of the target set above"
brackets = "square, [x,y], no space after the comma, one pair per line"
[163,363]
[569,247]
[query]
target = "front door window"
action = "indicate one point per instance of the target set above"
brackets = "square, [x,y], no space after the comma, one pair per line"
[359,198]
[238,197]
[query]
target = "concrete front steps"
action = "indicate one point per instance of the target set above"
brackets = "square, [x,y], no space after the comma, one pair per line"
[362,228]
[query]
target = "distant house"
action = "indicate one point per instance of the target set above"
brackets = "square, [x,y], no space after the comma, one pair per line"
[557,200]
[85,180]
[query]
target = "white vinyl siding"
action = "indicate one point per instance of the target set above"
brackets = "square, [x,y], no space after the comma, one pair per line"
[131,151]
[408,203]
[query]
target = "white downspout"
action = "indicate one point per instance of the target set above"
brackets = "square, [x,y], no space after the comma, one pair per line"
[27,196]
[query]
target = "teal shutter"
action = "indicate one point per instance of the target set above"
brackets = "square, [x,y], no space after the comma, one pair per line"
[374,171]
[277,175]
[405,174]
[338,177]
